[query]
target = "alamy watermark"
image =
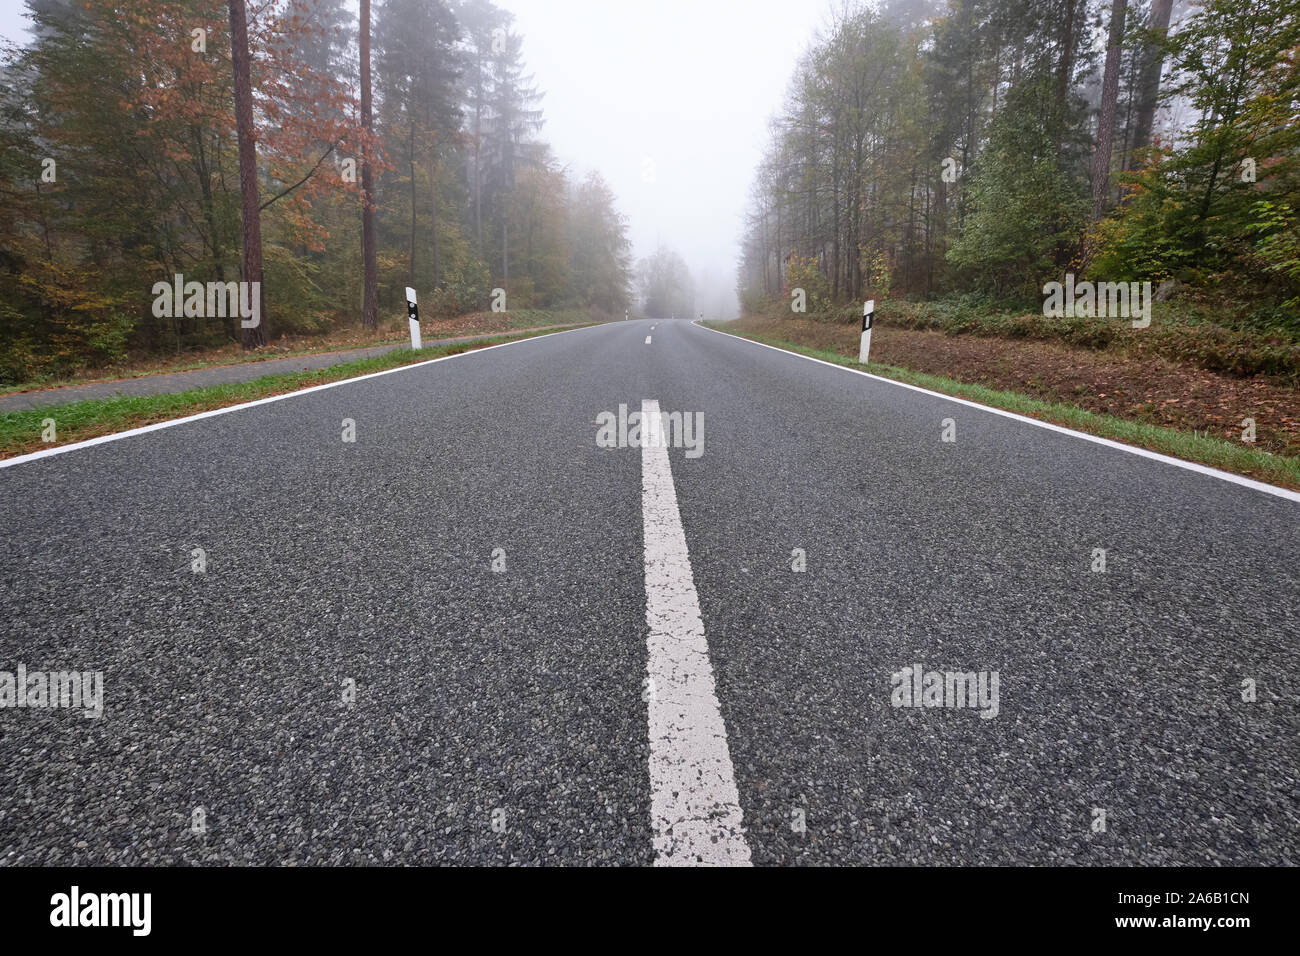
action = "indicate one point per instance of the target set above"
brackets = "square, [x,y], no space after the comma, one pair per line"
[76,690]
[673,430]
[1122,300]
[216,300]
[75,908]
[916,687]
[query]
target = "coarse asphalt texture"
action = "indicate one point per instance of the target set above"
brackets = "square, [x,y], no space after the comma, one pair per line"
[499,714]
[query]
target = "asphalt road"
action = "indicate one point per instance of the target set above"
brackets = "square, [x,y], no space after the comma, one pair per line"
[647,649]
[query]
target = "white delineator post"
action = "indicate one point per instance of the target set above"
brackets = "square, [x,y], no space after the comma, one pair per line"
[413,316]
[868,318]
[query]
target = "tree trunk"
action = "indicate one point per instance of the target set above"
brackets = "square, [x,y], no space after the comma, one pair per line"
[835,215]
[1106,122]
[968,142]
[1064,74]
[780,270]
[410,151]
[1148,90]
[204,174]
[433,208]
[247,138]
[478,154]
[370,296]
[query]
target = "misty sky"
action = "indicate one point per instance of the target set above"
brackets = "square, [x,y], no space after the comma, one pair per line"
[687,85]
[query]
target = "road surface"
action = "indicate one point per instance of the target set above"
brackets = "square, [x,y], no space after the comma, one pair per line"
[472,635]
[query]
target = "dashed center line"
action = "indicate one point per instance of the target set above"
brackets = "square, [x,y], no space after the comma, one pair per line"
[647,340]
[694,805]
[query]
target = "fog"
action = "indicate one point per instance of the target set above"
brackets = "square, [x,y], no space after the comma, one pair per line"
[669,99]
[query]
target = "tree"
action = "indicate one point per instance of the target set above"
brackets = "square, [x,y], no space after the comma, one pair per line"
[539,250]
[370,301]
[485,26]
[1106,120]
[511,120]
[600,274]
[319,37]
[417,74]
[1026,211]
[667,288]
[251,215]
[1148,92]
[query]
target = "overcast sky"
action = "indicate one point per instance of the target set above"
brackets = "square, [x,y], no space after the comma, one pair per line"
[12,24]
[688,85]
[679,92]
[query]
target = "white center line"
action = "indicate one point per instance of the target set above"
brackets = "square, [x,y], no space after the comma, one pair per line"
[647,340]
[694,805]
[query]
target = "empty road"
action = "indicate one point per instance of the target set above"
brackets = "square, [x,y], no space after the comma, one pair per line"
[474,635]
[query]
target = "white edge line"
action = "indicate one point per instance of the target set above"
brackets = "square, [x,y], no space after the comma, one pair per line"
[1095,439]
[102,439]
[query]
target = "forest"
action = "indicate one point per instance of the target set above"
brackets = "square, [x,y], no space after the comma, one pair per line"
[998,145]
[962,155]
[332,159]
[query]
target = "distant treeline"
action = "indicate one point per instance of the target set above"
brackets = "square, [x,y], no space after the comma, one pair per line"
[119,169]
[993,145]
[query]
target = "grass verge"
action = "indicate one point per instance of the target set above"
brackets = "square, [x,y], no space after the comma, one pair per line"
[54,383]
[343,340]
[20,431]
[1189,446]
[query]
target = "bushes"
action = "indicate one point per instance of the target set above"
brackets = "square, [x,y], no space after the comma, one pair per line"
[1173,336]
[1263,342]
[1278,250]
[752,301]
[1283,320]
[803,272]
[464,284]
[1224,350]
[53,323]
[289,284]
[1138,242]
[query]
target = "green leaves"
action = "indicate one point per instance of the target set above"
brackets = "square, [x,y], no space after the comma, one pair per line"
[1026,212]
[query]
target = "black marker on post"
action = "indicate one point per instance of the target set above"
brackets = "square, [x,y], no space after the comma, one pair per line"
[413,316]
[868,319]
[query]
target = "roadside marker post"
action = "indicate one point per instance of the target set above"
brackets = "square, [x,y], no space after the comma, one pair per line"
[868,319]
[413,316]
